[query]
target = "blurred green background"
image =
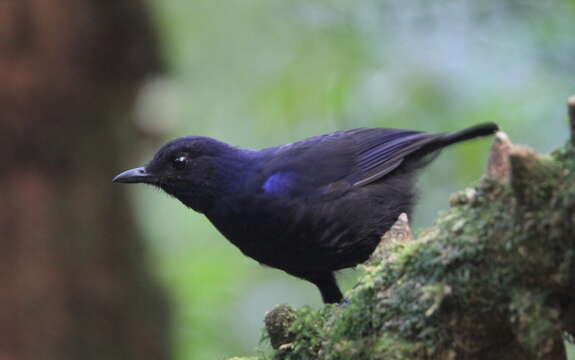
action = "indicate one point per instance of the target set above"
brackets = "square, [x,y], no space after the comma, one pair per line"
[264,72]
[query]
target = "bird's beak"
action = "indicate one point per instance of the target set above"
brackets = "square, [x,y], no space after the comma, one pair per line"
[137,175]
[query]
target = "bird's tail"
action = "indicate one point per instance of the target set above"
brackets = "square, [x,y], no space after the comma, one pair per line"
[469,133]
[443,140]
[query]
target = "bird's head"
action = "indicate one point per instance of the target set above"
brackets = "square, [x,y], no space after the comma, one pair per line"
[192,169]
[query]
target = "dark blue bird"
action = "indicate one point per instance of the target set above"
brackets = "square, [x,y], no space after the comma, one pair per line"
[309,208]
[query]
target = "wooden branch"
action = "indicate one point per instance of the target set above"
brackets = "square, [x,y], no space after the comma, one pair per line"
[571,112]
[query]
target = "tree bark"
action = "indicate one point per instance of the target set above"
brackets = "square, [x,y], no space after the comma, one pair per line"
[74,284]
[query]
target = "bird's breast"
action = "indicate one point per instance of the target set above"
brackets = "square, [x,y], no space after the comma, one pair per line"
[310,236]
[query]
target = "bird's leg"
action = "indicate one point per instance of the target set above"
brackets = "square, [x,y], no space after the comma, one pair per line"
[325,282]
[327,286]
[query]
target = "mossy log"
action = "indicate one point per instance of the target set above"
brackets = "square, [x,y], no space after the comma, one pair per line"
[494,278]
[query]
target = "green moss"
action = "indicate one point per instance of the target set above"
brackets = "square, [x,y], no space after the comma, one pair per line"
[483,278]
[309,329]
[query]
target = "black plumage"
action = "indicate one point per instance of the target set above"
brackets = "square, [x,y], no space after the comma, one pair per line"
[309,208]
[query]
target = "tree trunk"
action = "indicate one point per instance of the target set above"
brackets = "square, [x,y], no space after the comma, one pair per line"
[74,285]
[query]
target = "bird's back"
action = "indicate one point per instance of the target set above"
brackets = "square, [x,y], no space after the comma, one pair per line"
[302,206]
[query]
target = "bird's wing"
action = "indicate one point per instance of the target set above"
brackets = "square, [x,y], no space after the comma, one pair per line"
[330,165]
[380,151]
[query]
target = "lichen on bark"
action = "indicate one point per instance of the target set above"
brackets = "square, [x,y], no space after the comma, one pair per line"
[494,278]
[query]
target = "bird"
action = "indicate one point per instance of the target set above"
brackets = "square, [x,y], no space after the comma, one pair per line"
[309,208]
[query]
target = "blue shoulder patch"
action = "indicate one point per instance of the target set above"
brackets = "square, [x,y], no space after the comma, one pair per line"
[278,183]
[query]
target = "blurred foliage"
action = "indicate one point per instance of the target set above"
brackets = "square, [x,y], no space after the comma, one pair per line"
[265,72]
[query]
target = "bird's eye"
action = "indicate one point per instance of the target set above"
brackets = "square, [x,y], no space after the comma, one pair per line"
[179,162]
